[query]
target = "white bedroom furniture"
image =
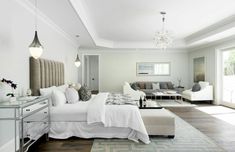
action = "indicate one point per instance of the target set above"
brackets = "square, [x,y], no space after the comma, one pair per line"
[205,94]
[176,96]
[31,120]
[134,94]
[159,122]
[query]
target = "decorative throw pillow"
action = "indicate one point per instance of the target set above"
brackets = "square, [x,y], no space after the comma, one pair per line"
[148,85]
[156,86]
[170,85]
[163,85]
[141,85]
[84,93]
[134,86]
[58,98]
[196,87]
[71,95]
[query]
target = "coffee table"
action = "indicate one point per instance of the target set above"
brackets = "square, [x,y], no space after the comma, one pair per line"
[166,94]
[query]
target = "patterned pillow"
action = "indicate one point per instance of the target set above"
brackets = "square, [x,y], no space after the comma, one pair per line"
[134,86]
[84,93]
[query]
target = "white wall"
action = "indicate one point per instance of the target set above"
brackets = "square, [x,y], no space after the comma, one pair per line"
[16,33]
[116,67]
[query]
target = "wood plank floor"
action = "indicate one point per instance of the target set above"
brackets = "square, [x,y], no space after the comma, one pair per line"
[218,130]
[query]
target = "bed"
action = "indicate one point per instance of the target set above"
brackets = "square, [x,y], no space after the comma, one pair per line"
[91,119]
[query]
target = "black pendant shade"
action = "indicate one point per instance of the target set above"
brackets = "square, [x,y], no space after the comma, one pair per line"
[36,43]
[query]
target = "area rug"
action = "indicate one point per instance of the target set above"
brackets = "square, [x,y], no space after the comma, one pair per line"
[173,103]
[187,139]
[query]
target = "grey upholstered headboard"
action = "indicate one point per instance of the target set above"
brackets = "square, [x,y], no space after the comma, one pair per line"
[45,73]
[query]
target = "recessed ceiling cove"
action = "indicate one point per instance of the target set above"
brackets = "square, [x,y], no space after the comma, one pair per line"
[132,23]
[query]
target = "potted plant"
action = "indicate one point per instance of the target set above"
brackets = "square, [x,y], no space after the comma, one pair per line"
[13,87]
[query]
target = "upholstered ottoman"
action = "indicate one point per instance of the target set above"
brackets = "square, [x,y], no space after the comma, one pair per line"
[159,122]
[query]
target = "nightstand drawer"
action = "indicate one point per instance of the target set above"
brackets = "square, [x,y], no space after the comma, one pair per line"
[38,116]
[31,109]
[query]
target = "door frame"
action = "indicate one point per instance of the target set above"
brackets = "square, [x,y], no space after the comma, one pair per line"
[219,76]
[83,67]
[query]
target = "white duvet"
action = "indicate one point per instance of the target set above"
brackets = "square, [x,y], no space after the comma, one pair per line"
[126,116]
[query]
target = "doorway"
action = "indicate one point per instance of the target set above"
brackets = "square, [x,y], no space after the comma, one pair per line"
[91,72]
[228,77]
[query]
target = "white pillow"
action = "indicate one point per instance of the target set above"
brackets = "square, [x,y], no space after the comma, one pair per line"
[71,95]
[58,98]
[203,84]
[47,91]
[156,86]
[62,87]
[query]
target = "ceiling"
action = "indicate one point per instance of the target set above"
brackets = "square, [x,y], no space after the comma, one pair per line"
[132,23]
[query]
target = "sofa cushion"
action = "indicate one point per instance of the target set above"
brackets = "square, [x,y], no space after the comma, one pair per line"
[196,87]
[148,85]
[163,85]
[156,86]
[170,85]
[141,85]
[134,86]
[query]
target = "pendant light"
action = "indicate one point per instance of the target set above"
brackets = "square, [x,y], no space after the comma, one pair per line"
[163,38]
[77,61]
[35,47]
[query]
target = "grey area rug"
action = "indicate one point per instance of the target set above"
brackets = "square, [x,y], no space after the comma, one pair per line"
[187,139]
[173,103]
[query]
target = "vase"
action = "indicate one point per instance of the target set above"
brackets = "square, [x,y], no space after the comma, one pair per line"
[4,89]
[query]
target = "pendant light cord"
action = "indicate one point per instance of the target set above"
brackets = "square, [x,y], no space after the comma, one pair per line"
[36,12]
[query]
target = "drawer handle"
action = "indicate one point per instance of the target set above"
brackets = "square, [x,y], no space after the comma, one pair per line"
[45,112]
[43,102]
[27,109]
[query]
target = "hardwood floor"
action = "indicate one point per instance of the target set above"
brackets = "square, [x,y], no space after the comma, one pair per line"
[221,132]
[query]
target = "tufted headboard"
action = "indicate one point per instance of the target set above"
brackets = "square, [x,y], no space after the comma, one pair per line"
[45,73]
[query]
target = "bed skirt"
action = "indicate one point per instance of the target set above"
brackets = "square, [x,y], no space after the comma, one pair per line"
[64,130]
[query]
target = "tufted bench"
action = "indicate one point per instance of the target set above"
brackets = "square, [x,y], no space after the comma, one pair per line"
[159,122]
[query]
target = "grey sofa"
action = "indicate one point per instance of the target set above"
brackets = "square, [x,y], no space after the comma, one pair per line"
[147,86]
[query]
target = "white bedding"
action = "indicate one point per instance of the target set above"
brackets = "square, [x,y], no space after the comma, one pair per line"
[98,120]
[70,112]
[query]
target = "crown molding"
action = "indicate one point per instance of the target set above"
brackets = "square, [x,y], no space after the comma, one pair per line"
[143,51]
[222,43]
[216,28]
[31,8]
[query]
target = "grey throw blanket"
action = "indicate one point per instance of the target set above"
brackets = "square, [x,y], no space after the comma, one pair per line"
[119,99]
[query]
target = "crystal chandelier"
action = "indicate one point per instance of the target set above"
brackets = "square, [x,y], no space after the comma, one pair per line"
[163,38]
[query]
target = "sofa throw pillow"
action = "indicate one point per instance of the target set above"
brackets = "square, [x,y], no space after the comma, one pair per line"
[163,85]
[156,86]
[141,85]
[134,86]
[71,95]
[170,85]
[196,87]
[148,85]
[84,93]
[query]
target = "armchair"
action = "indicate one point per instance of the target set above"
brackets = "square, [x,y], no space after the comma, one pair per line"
[205,94]
[135,94]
